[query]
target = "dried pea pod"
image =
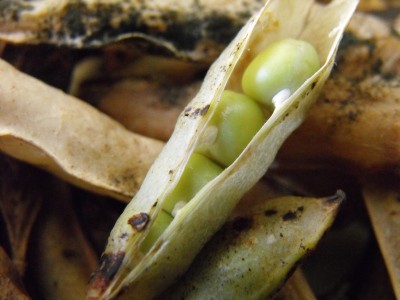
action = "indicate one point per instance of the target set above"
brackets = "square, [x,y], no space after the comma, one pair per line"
[148,273]
[252,255]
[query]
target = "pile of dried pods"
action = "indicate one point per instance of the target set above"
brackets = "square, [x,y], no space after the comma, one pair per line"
[157,123]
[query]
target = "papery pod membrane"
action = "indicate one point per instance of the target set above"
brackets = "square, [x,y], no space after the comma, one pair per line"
[147,275]
[253,254]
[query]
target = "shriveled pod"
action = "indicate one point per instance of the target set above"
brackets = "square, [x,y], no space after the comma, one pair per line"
[148,270]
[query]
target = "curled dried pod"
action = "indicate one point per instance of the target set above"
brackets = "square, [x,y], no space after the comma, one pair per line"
[147,250]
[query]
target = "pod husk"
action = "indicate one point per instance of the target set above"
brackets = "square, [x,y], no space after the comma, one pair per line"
[253,254]
[76,142]
[122,264]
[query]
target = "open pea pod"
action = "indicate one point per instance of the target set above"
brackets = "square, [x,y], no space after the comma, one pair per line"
[253,254]
[149,267]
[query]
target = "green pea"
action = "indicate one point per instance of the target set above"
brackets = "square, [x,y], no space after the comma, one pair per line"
[236,120]
[284,65]
[160,224]
[198,172]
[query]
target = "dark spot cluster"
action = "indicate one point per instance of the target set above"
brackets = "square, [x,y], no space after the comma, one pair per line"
[124,236]
[191,112]
[292,215]
[284,118]
[12,9]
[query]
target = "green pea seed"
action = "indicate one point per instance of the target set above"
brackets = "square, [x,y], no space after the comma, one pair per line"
[285,64]
[237,119]
[198,172]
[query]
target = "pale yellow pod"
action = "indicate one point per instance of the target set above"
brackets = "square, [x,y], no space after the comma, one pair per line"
[147,274]
[253,254]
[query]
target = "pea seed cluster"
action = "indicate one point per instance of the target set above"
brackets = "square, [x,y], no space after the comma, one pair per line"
[276,73]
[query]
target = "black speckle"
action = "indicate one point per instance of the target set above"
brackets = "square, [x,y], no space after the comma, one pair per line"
[73,20]
[313,85]
[184,35]
[155,204]
[242,223]
[204,110]
[13,9]
[352,116]
[187,111]
[291,215]
[270,212]
[300,208]
[124,235]
[281,235]
[170,172]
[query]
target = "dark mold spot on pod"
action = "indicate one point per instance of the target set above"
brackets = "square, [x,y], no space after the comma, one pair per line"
[270,212]
[108,267]
[242,223]
[187,111]
[313,85]
[291,215]
[139,221]
[204,110]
